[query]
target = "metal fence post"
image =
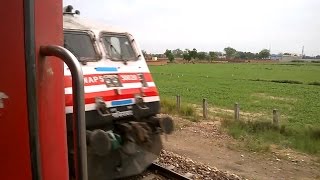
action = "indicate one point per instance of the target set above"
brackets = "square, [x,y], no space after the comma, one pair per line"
[205,108]
[236,111]
[275,117]
[178,102]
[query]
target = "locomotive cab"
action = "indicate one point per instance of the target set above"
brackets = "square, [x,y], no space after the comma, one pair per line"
[121,99]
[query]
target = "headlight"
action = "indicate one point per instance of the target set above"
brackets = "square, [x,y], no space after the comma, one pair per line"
[115,81]
[108,81]
[112,80]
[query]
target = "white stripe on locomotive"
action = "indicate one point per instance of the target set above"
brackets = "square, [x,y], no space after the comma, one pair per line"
[90,107]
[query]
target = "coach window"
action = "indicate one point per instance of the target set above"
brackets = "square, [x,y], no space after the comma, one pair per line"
[82,45]
[119,47]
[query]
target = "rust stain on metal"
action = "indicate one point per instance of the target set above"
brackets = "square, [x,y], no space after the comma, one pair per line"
[50,71]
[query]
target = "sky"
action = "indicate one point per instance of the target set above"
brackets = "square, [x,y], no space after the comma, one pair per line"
[211,25]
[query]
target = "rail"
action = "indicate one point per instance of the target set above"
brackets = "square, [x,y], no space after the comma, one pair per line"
[79,126]
[167,173]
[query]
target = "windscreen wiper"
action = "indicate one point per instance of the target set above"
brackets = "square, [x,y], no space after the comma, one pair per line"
[111,46]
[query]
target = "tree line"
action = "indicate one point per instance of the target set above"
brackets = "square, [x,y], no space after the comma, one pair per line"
[229,53]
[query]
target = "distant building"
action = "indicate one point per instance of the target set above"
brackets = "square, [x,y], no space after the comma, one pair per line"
[275,56]
[222,57]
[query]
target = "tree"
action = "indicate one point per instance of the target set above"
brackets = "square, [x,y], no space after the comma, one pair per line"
[219,54]
[250,55]
[208,58]
[264,54]
[230,52]
[240,55]
[169,55]
[186,56]
[177,53]
[193,54]
[145,54]
[213,55]
[202,55]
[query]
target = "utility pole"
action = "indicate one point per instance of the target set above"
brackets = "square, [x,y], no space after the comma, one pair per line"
[269,51]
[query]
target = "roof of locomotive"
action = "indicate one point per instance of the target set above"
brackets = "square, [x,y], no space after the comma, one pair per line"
[71,21]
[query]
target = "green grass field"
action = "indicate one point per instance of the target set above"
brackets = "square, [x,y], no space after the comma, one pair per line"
[258,88]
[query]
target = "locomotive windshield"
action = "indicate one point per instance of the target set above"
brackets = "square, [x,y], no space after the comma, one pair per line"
[81,45]
[119,47]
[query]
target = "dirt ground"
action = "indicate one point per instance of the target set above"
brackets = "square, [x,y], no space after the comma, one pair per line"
[205,142]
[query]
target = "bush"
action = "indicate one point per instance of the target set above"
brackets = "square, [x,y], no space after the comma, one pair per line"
[259,135]
[287,81]
[314,83]
[279,81]
[170,107]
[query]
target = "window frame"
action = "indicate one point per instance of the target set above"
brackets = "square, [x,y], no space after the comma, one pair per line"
[127,35]
[97,51]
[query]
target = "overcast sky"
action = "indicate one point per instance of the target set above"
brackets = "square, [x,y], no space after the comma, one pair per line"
[246,25]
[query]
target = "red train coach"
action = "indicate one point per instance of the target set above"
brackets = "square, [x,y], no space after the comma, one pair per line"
[77,100]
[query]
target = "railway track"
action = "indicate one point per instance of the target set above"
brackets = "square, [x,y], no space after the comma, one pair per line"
[166,173]
[175,167]
[157,172]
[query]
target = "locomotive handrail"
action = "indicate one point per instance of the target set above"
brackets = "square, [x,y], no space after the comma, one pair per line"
[79,124]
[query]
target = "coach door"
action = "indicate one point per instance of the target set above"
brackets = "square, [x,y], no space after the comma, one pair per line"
[32,115]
